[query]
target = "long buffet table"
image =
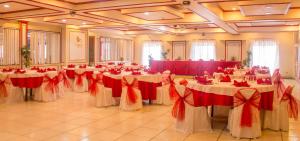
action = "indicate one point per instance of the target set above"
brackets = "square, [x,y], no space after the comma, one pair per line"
[190,67]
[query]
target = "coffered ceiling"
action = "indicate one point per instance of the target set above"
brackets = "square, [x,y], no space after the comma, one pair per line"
[159,16]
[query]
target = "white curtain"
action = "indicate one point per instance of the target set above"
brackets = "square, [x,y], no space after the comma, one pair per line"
[203,49]
[44,47]
[153,49]
[9,46]
[115,49]
[265,53]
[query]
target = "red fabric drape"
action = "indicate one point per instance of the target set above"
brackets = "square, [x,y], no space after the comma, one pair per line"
[93,89]
[79,81]
[248,104]
[292,103]
[3,89]
[131,95]
[52,84]
[63,77]
[70,73]
[114,84]
[178,110]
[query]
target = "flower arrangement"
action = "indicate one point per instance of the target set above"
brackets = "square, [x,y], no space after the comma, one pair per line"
[247,61]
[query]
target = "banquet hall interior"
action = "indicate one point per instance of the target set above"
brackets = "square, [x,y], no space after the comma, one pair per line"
[149,70]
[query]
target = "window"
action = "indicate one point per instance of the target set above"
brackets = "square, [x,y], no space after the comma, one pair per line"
[116,49]
[9,46]
[153,49]
[265,53]
[44,47]
[203,49]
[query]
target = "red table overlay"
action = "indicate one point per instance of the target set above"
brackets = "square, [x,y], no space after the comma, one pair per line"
[28,82]
[70,73]
[148,90]
[190,67]
[208,99]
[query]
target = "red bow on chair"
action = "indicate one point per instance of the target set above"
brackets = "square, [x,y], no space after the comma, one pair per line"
[130,90]
[3,90]
[52,84]
[63,77]
[178,110]
[79,81]
[93,89]
[252,102]
[172,90]
[293,105]
[278,83]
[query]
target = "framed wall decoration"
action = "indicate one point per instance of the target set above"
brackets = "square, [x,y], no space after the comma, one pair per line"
[233,50]
[77,46]
[178,50]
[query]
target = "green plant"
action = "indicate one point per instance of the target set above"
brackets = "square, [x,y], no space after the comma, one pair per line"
[232,58]
[247,61]
[25,53]
[121,58]
[165,53]
[150,60]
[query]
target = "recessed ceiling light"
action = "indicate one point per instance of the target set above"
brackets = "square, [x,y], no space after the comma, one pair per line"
[234,8]
[146,13]
[84,23]
[268,13]
[268,7]
[64,20]
[6,6]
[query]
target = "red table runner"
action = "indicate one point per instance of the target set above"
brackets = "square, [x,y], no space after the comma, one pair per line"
[190,67]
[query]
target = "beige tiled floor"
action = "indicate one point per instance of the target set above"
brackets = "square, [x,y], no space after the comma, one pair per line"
[73,118]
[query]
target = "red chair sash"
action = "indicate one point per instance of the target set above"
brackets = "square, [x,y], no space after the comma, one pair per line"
[131,95]
[93,89]
[52,84]
[278,83]
[3,89]
[178,110]
[63,77]
[172,90]
[292,103]
[252,102]
[79,81]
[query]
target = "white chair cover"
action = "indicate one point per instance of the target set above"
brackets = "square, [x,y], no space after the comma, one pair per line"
[49,90]
[195,119]
[236,125]
[12,94]
[80,85]
[272,119]
[163,92]
[100,97]
[125,102]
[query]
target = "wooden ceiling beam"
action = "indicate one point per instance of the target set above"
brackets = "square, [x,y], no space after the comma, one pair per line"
[204,12]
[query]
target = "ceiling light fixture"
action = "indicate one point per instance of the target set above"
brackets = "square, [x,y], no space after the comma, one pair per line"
[146,13]
[6,6]
[162,28]
[84,23]
[64,20]
[268,7]
[233,8]
[268,13]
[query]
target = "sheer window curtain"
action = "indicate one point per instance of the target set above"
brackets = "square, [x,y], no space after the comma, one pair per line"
[152,48]
[45,47]
[114,49]
[203,49]
[265,53]
[9,46]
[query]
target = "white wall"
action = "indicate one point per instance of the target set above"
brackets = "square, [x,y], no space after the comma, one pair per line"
[287,42]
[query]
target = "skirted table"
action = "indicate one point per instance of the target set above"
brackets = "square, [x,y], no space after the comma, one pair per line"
[190,67]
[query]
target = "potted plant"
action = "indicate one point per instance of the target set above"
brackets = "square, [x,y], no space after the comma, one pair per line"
[165,53]
[232,58]
[247,61]
[25,53]
[150,60]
